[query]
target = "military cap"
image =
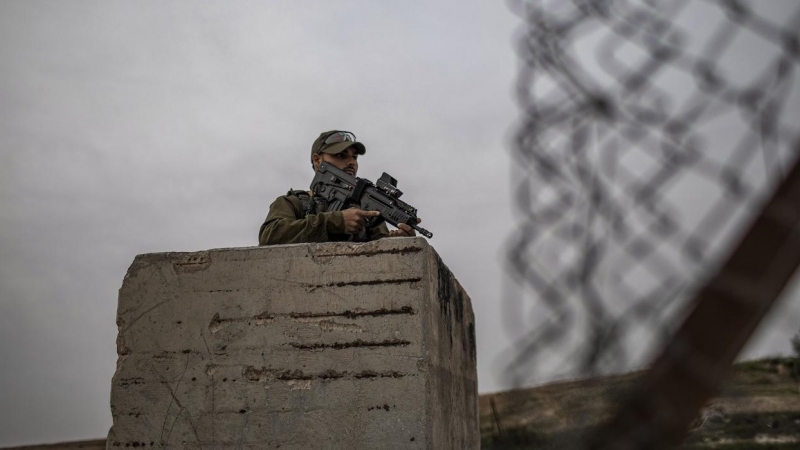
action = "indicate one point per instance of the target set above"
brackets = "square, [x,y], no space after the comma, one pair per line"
[336,141]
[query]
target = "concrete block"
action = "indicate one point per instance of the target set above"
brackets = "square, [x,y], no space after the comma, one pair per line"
[308,346]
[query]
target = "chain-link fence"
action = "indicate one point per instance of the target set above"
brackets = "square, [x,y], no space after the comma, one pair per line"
[652,135]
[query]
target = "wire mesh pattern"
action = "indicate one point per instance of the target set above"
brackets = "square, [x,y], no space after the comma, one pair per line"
[651,132]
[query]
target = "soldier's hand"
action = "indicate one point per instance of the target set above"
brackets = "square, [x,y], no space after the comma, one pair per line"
[355,219]
[404,230]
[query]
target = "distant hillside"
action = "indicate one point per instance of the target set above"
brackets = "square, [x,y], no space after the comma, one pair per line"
[758,408]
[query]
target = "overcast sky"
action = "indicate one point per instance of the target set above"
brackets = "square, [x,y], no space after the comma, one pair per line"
[136,127]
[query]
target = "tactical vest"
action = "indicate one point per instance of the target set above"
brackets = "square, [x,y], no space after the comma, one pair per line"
[316,205]
[311,205]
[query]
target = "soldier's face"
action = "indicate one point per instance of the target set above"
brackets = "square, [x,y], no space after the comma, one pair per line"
[346,161]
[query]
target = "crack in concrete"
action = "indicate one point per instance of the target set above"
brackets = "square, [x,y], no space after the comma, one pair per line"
[147,311]
[193,263]
[177,401]
[355,314]
[217,323]
[264,374]
[393,251]
[130,381]
[313,287]
[353,344]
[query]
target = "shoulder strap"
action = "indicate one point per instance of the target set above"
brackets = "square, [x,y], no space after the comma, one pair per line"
[309,204]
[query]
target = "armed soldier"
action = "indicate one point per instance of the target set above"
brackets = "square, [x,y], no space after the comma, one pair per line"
[299,217]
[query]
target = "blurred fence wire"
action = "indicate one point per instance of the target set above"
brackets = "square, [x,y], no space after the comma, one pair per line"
[652,135]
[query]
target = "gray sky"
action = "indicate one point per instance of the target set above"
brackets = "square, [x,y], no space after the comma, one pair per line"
[135,127]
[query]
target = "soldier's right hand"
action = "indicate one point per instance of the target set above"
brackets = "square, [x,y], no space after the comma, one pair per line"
[355,219]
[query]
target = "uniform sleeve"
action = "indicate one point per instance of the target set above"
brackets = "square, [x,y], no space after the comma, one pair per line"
[378,232]
[283,227]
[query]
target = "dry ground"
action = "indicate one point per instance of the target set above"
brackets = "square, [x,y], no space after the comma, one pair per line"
[758,408]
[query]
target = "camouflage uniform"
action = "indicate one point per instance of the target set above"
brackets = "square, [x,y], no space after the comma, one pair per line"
[289,223]
[294,218]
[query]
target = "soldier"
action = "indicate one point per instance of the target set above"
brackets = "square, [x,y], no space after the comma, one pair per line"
[293,218]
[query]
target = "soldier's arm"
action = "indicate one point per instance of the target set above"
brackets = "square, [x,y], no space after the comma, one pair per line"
[283,227]
[378,232]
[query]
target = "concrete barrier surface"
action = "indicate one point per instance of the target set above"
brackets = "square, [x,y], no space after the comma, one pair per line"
[308,346]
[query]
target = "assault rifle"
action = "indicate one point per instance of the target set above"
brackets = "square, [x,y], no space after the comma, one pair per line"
[341,191]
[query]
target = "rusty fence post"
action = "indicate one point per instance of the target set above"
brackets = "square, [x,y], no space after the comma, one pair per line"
[724,315]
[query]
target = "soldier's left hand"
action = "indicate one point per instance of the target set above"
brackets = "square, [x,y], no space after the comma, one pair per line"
[404,230]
